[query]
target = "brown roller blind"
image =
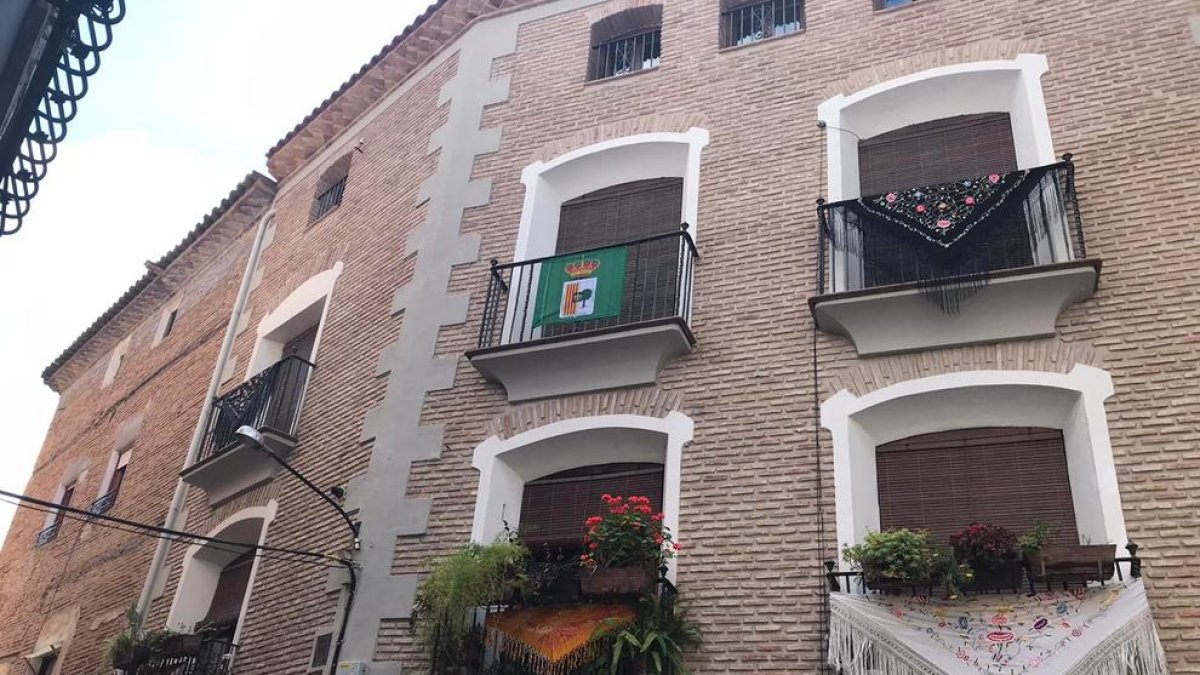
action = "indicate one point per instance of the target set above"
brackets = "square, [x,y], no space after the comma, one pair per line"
[1008,476]
[935,152]
[231,588]
[620,213]
[554,508]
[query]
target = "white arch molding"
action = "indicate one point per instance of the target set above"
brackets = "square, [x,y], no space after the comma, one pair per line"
[1072,402]
[1009,86]
[303,307]
[506,464]
[202,565]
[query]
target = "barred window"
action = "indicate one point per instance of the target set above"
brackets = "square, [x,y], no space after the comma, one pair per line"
[330,187]
[747,21]
[888,4]
[626,42]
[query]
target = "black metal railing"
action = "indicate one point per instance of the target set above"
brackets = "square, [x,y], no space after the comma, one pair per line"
[626,55]
[1036,222]
[749,23]
[657,285]
[478,652]
[852,581]
[211,657]
[103,503]
[328,200]
[48,534]
[269,400]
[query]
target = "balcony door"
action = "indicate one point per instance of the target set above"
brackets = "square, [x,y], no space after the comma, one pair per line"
[932,153]
[625,213]
[291,378]
[1008,476]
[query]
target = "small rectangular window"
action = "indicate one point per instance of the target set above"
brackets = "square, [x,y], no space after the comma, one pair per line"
[116,361]
[331,186]
[746,21]
[888,4]
[170,324]
[626,42]
[65,500]
[321,648]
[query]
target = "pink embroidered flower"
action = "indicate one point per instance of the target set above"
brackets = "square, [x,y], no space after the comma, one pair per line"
[920,208]
[943,224]
[897,613]
[1000,620]
[891,197]
[1076,633]
[994,178]
[1035,662]
[1001,636]
[963,656]
[969,200]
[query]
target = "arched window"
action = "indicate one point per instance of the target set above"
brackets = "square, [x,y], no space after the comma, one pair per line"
[330,187]
[626,42]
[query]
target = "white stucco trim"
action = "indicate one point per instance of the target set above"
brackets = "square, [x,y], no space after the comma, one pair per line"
[115,360]
[75,473]
[1073,402]
[501,484]
[306,305]
[1012,86]
[198,577]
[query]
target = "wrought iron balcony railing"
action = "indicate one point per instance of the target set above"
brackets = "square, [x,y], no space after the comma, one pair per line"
[211,657]
[47,535]
[269,400]
[943,234]
[103,503]
[646,279]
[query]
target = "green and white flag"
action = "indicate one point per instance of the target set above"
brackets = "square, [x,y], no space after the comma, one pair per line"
[580,287]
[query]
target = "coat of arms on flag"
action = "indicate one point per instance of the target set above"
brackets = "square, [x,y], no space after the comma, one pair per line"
[581,286]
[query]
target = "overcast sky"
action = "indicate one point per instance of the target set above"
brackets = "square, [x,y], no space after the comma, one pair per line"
[187,101]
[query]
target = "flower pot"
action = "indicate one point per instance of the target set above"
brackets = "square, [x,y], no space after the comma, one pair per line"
[181,645]
[1078,562]
[604,581]
[1005,576]
[130,657]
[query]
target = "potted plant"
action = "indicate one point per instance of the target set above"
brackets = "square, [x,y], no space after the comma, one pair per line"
[132,647]
[991,553]
[475,576]
[1050,562]
[898,559]
[624,547]
[654,643]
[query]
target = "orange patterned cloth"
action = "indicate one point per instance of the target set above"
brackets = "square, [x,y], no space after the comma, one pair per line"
[555,639]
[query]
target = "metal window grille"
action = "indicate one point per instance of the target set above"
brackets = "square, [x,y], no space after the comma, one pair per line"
[103,503]
[626,55]
[751,23]
[47,535]
[888,4]
[328,200]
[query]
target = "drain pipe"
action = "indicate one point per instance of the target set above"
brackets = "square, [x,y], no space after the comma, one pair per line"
[180,496]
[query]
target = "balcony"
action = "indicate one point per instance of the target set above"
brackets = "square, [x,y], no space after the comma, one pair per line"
[188,655]
[103,503]
[590,320]
[980,260]
[269,402]
[49,534]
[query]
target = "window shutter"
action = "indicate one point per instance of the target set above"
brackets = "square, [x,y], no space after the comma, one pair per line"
[936,152]
[226,604]
[554,508]
[1007,476]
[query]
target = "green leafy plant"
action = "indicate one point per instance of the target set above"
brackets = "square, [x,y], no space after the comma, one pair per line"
[630,534]
[899,554]
[133,641]
[472,577]
[655,643]
[1035,540]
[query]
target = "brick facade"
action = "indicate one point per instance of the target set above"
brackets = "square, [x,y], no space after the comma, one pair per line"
[757,508]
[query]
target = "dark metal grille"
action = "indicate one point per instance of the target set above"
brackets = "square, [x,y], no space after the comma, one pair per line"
[658,285]
[626,55]
[47,535]
[269,400]
[328,200]
[103,503]
[79,33]
[1043,226]
[751,23]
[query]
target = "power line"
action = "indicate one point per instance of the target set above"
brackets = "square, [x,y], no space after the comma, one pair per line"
[167,533]
[241,548]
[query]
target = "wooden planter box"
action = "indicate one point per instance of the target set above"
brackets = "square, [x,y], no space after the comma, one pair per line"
[1007,576]
[882,584]
[1079,562]
[615,581]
